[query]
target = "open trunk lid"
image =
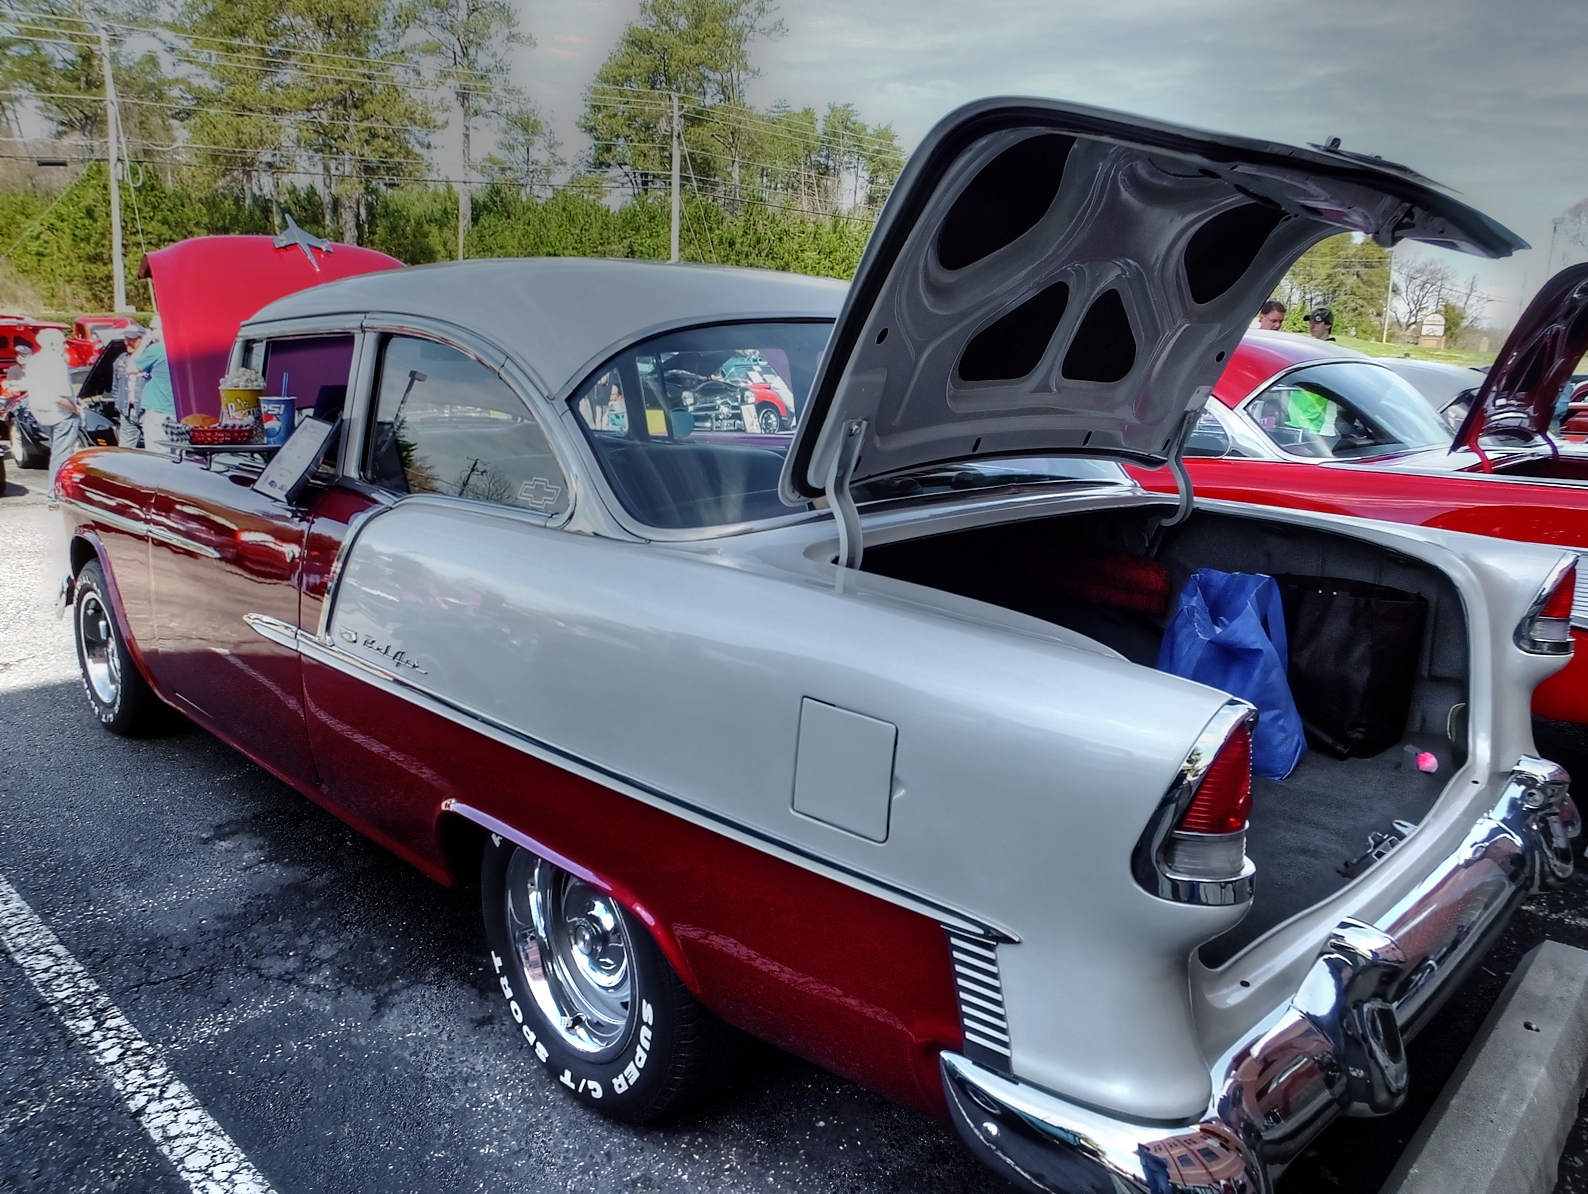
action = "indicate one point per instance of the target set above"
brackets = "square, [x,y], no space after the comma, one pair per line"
[1060,280]
[1520,392]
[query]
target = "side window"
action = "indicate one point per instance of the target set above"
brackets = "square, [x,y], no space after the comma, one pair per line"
[1208,437]
[446,424]
[312,369]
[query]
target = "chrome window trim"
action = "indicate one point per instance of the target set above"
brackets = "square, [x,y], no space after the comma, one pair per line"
[511,374]
[329,653]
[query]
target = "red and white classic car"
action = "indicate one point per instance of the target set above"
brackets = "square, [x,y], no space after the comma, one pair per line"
[953,835]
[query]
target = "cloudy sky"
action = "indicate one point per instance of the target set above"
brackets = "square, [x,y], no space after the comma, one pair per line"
[1489,98]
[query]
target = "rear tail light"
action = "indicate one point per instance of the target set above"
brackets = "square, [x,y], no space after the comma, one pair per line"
[1194,849]
[1546,630]
[1223,800]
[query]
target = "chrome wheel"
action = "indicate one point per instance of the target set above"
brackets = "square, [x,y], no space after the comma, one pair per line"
[573,949]
[96,639]
[771,424]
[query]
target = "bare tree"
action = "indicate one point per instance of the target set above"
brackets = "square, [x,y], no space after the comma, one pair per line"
[1422,285]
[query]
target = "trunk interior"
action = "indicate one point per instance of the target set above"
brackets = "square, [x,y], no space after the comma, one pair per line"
[1306,828]
[1553,468]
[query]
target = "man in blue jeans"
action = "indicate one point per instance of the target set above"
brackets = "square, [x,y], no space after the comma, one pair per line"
[48,385]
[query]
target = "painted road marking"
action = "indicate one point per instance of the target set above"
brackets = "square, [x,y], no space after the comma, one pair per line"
[206,1157]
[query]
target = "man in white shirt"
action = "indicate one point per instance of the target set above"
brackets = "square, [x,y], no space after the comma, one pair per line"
[48,386]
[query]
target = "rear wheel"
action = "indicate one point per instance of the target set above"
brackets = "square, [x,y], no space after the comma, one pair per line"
[589,990]
[121,699]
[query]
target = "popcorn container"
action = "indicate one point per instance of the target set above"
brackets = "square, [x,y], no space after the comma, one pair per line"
[239,406]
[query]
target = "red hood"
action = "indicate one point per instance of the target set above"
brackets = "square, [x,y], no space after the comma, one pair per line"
[1532,368]
[207,286]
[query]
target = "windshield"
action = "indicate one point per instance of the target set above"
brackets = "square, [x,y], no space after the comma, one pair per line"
[691,428]
[1346,411]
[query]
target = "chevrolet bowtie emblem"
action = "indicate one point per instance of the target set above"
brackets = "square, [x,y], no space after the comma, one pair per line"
[303,240]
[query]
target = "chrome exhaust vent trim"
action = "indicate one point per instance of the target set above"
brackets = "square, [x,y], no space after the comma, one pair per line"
[981,998]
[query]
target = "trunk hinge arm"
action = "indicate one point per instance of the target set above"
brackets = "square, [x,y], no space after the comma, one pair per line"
[1182,478]
[851,440]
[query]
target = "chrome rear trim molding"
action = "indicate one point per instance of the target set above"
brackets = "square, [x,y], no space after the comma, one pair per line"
[1335,1047]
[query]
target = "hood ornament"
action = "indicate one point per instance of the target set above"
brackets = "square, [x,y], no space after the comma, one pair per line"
[303,240]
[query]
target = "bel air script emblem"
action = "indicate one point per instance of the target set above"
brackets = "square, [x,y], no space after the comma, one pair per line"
[369,643]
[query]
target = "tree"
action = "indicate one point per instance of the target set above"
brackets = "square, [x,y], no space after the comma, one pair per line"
[1347,275]
[467,39]
[52,54]
[527,154]
[698,50]
[322,85]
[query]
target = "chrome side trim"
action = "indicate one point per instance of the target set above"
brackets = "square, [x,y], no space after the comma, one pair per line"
[120,522]
[283,634]
[1335,1047]
[980,990]
[333,656]
[1147,860]
[156,531]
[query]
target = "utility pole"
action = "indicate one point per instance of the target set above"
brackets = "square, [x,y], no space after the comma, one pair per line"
[465,110]
[113,136]
[1389,295]
[673,255]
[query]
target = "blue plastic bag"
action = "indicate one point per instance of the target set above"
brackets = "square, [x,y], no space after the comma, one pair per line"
[1228,632]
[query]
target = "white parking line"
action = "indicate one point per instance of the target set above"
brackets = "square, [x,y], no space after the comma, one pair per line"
[206,1157]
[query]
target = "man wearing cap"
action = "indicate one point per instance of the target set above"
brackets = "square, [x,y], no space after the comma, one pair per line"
[125,381]
[1320,322]
[155,398]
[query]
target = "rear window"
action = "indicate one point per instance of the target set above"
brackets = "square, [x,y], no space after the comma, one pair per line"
[691,428]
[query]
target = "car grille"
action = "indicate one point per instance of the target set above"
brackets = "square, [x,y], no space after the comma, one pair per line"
[981,998]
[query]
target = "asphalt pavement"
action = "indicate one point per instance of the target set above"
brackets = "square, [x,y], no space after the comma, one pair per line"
[327,1009]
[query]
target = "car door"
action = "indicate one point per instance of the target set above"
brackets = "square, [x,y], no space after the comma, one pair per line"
[223,558]
[439,421]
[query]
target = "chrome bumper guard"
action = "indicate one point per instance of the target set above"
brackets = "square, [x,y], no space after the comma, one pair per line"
[1336,1047]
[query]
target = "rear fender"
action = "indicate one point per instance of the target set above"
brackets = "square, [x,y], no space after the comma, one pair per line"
[659,930]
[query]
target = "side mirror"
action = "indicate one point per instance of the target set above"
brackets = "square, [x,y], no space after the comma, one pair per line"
[681,422]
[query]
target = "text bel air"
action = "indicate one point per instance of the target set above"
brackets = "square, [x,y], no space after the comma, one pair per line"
[952,835]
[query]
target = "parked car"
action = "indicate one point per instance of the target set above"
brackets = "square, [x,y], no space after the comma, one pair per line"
[19,330]
[29,444]
[952,835]
[1449,389]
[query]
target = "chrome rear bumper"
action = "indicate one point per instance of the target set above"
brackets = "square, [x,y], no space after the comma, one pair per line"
[1335,1048]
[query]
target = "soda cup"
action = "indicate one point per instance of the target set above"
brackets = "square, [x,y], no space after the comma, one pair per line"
[277,415]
